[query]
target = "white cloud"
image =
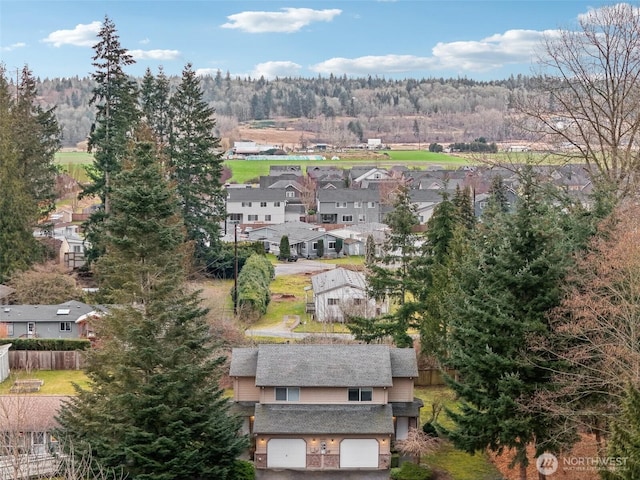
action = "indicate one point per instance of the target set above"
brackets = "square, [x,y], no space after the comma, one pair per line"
[13,46]
[373,64]
[155,54]
[145,41]
[495,51]
[270,70]
[81,36]
[286,21]
[512,46]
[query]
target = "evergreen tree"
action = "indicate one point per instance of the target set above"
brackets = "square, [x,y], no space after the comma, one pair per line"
[29,137]
[503,293]
[624,443]
[115,99]
[37,133]
[196,164]
[155,104]
[285,249]
[153,407]
[394,276]
[448,233]
[464,205]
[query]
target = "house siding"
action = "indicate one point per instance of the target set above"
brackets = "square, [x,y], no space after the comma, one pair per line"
[402,390]
[317,395]
[245,390]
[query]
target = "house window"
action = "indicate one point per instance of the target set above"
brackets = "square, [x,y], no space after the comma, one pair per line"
[314,246]
[372,204]
[263,204]
[287,394]
[267,218]
[252,218]
[332,301]
[357,301]
[77,249]
[341,204]
[246,204]
[235,217]
[347,218]
[65,326]
[332,245]
[362,218]
[9,329]
[276,204]
[360,395]
[357,204]
[290,194]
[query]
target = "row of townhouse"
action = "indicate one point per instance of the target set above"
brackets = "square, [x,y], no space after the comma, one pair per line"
[333,196]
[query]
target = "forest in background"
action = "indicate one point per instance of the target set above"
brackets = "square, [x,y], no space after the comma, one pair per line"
[335,110]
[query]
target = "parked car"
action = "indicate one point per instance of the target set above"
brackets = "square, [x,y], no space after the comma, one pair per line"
[290,258]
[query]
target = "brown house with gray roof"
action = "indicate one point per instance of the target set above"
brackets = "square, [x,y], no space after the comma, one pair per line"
[324,408]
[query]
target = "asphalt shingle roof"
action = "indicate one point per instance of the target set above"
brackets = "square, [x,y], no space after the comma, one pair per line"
[403,362]
[323,419]
[243,362]
[324,366]
[68,311]
[337,278]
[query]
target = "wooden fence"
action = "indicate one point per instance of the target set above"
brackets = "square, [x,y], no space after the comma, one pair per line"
[36,360]
[428,377]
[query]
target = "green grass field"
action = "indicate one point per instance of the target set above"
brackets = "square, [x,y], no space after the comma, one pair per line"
[245,170]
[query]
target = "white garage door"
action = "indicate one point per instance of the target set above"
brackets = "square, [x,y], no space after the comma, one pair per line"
[286,453]
[359,453]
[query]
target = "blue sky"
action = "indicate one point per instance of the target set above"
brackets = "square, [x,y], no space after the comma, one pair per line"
[481,40]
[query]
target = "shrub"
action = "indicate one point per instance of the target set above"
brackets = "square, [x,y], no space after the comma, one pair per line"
[320,250]
[430,429]
[253,286]
[242,470]
[47,344]
[411,471]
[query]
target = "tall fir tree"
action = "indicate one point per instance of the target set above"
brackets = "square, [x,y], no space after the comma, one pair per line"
[394,276]
[155,95]
[38,134]
[447,236]
[196,163]
[504,292]
[154,407]
[29,137]
[115,100]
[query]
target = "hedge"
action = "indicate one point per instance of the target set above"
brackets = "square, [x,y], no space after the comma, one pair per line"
[47,344]
[253,285]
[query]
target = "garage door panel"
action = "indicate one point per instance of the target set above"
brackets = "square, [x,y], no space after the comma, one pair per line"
[286,453]
[359,453]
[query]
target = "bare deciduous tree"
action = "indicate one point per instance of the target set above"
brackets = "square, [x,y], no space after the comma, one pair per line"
[597,334]
[588,106]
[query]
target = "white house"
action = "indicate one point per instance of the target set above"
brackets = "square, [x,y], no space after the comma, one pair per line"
[341,292]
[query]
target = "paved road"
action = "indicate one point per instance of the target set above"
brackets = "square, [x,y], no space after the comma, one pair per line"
[302,266]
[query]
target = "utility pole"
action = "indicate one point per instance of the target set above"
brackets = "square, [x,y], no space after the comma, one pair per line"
[235,269]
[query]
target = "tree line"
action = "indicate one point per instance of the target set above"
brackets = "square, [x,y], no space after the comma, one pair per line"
[447,110]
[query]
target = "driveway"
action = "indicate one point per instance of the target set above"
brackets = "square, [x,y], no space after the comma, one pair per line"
[302,266]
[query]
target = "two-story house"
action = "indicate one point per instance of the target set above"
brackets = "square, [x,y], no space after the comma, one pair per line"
[328,408]
[348,206]
[256,205]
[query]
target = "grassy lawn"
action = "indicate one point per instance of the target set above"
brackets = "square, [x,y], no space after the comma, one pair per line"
[458,464]
[56,382]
